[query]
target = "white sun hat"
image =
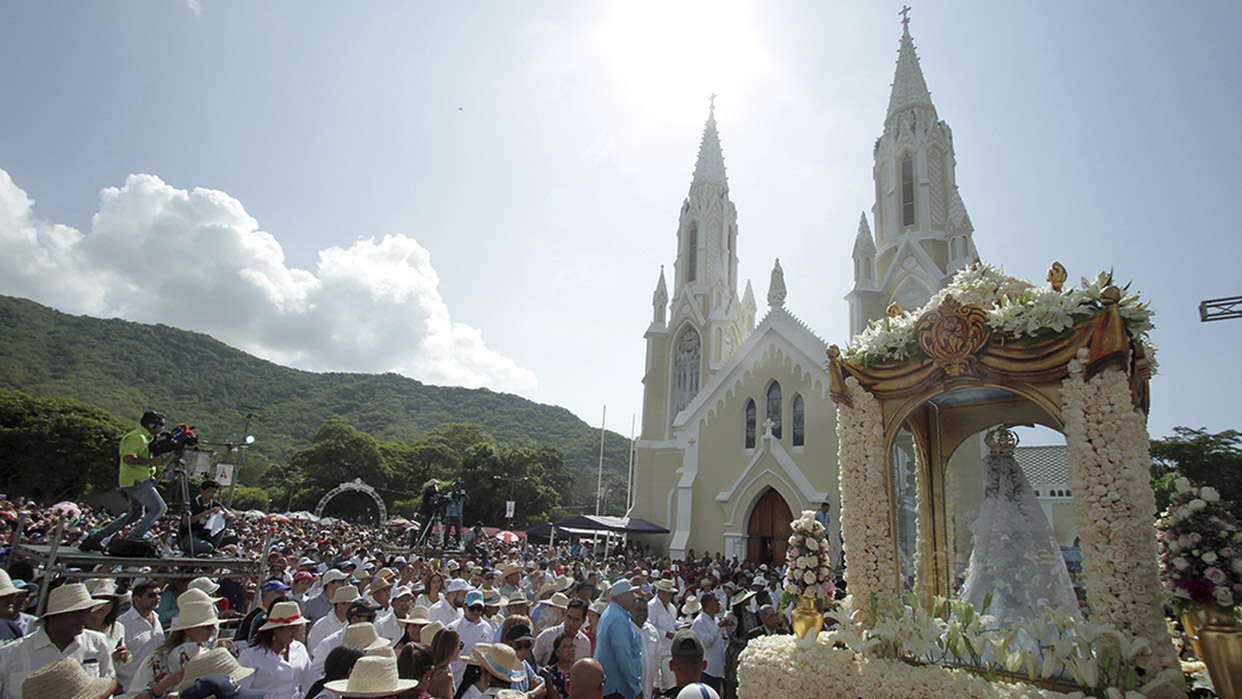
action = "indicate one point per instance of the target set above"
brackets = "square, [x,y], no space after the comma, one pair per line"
[286,613]
[217,661]
[363,636]
[71,597]
[193,614]
[195,594]
[372,676]
[205,584]
[346,594]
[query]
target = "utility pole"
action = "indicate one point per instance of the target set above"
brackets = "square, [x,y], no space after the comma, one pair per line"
[248,439]
[513,481]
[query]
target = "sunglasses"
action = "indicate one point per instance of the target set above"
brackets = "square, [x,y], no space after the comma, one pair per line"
[475,608]
[521,645]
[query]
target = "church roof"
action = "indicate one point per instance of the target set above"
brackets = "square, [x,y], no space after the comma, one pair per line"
[909,87]
[1046,465]
[710,169]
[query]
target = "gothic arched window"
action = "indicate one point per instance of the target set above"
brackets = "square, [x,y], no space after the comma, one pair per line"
[692,253]
[686,367]
[907,190]
[797,409]
[750,423]
[774,408]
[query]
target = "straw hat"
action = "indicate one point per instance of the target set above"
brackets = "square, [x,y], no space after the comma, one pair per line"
[497,658]
[102,588]
[363,636]
[598,606]
[6,584]
[418,615]
[205,584]
[691,606]
[428,634]
[71,597]
[562,583]
[742,597]
[372,676]
[380,582]
[65,679]
[518,597]
[491,598]
[332,575]
[194,614]
[286,613]
[217,661]
[558,600]
[665,586]
[195,595]
[346,594]
[509,569]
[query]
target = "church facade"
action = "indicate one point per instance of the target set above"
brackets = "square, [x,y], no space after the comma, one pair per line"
[738,429]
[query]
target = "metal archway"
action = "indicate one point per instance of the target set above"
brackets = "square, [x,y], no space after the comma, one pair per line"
[359,486]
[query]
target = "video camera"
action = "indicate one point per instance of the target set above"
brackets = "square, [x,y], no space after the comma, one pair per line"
[179,437]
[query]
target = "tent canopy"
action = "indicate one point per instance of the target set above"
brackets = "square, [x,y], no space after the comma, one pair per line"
[586,525]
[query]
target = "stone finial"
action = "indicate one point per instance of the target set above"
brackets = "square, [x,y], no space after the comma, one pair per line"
[776,289]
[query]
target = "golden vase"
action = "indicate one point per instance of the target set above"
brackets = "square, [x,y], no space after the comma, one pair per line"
[1192,621]
[807,621]
[1220,638]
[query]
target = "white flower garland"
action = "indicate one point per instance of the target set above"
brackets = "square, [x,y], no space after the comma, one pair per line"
[870,548]
[1015,308]
[1110,468]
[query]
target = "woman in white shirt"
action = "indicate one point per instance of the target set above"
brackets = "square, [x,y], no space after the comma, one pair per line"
[281,662]
[192,631]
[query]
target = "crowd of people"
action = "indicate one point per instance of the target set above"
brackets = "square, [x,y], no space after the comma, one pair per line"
[340,602]
[343,610]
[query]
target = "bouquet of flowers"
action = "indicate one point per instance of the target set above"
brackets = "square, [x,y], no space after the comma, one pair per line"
[808,569]
[1200,548]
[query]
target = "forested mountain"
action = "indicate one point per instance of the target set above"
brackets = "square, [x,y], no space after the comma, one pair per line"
[126,368]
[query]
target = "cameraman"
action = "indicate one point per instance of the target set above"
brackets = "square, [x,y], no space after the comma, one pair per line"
[137,481]
[452,515]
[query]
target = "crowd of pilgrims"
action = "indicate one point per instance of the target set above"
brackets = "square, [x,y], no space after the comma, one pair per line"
[340,610]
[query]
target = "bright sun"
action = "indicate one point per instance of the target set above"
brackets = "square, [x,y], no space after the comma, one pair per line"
[672,53]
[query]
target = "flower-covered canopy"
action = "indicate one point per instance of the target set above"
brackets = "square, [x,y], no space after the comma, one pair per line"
[1077,359]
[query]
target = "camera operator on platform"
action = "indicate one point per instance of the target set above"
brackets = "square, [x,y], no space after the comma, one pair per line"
[206,532]
[427,510]
[137,480]
[452,515]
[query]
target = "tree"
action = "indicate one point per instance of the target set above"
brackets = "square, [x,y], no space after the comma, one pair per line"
[460,436]
[340,453]
[55,447]
[1204,458]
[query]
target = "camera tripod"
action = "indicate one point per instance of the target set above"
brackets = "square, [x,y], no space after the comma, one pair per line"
[174,470]
[435,520]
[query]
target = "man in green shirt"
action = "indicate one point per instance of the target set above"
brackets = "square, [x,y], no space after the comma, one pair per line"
[137,481]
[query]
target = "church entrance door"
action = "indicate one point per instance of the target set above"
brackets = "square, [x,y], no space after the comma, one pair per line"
[767,533]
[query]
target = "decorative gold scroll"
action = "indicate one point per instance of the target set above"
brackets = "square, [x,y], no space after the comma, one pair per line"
[959,349]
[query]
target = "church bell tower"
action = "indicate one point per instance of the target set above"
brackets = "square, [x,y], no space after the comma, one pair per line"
[922,232]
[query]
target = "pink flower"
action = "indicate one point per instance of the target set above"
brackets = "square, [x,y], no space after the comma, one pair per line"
[1226,552]
[1195,537]
[1216,575]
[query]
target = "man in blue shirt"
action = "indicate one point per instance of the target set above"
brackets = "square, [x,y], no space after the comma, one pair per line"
[619,646]
[452,516]
[824,515]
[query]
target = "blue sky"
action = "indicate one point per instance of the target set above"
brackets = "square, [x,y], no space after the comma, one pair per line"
[483,193]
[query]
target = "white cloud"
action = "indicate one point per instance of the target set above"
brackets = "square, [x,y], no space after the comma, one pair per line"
[196,260]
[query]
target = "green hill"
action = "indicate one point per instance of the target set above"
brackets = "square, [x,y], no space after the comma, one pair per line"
[126,368]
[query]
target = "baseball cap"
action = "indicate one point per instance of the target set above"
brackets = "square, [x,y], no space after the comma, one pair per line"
[458,585]
[218,687]
[275,586]
[687,643]
[474,597]
[360,606]
[302,575]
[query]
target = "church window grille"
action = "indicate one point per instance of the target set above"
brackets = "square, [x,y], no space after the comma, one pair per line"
[907,191]
[798,415]
[692,254]
[732,256]
[774,408]
[686,369]
[936,187]
[750,423]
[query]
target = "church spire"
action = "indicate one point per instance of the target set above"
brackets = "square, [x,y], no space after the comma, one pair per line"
[659,300]
[776,287]
[710,169]
[864,245]
[909,87]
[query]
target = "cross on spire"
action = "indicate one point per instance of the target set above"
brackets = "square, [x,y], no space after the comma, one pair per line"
[905,16]
[711,102]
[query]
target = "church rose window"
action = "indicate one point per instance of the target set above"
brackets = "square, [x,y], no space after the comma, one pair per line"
[750,423]
[686,369]
[774,408]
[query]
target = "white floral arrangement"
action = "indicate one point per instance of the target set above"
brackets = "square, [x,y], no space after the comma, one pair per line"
[1015,308]
[1095,657]
[1110,476]
[865,524]
[1200,548]
[808,568]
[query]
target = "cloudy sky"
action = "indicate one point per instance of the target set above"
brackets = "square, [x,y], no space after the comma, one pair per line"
[482,193]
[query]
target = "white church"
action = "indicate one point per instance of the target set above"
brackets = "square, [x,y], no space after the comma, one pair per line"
[738,430]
